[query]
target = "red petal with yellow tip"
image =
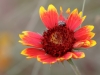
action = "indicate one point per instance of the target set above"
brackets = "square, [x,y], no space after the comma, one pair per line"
[89,43]
[67,56]
[84,30]
[49,17]
[31,39]
[92,43]
[32,34]
[74,20]
[76,55]
[86,43]
[68,11]
[61,18]
[86,36]
[78,44]
[32,52]
[46,59]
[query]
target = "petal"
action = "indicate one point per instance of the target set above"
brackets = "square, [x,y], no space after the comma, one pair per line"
[61,18]
[83,18]
[78,44]
[76,55]
[84,30]
[31,39]
[86,36]
[92,43]
[67,56]
[46,59]
[49,17]
[68,11]
[61,10]
[86,43]
[80,14]
[32,52]
[74,20]
[89,43]
[32,34]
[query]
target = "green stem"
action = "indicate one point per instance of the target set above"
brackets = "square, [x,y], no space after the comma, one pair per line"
[83,5]
[74,67]
[84,1]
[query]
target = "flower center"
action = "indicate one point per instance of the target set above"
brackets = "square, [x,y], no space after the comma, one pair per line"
[58,41]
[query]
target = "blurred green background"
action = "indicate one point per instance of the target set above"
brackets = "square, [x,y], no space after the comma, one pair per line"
[20,15]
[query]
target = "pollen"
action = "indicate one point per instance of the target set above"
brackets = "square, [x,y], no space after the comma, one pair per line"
[56,38]
[58,41]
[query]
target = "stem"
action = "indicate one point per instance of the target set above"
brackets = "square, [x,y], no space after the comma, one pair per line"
[74,67]
[83,8]
[83,5]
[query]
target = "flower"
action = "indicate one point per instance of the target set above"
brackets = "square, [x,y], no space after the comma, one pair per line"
[61,39]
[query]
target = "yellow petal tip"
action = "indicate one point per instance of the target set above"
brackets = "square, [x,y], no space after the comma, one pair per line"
[61,10]
[23,52]
[23,31]
[68,11]
[90,27]
[80,14]
[42,11]
[28,57]
[83,18]
[52,7]
[21,36]
[83,55]
[75,11]
[92,43]
[20,41]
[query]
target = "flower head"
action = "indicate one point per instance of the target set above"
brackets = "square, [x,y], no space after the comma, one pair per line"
[61,39]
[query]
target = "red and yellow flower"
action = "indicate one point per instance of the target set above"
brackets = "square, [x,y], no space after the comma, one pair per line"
[61,39]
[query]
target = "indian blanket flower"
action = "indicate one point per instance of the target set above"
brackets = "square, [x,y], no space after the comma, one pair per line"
[61,39]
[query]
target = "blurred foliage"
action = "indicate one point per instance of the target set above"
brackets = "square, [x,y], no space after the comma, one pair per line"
[5,51]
